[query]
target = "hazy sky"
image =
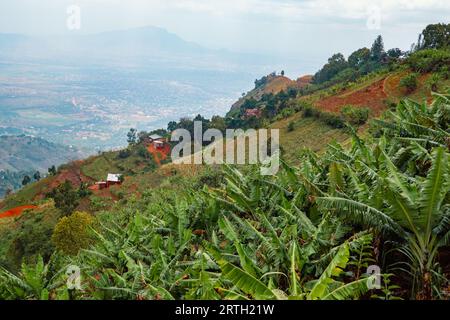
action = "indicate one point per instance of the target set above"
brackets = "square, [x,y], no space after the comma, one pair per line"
[312,29]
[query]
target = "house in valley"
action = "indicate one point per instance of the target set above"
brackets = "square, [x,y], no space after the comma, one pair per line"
[113,179]
[157,141]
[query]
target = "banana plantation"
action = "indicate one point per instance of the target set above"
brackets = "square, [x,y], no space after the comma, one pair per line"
[366,220]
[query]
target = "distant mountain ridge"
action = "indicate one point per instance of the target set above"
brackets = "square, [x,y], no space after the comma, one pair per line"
[145,41]
[137,46]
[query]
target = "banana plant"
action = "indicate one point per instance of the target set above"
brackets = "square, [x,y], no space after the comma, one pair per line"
[415,209]
[327,287]
[34,282]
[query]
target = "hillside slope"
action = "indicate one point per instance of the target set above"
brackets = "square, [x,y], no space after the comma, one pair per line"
[274,84]
[24,155]
[297,132]
[18,153]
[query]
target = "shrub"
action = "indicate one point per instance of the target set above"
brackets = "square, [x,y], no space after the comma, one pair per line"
[285,113]
[409,82]
[433,82]
[444,72]
[66,197]
[333,120]
[30,237]
[391,104]
[84,191]
[143,152]
[125,153]
[291,126]
[72,233]
[355,115]
[310,111]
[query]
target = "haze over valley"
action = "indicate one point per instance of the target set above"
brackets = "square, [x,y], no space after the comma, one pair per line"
[88,91]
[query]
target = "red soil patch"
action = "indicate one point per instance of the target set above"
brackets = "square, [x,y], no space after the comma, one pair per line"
[372,97]
[72,174]
[394,90]
[15,212]
[159,154]
[304,81]
[94,187]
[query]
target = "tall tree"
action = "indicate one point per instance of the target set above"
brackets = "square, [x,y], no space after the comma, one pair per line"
[132,136]
[171,126]
[336,63]
[359,57]
[26,180]
[435,36]
[52,170]
[377,51]
[37,176]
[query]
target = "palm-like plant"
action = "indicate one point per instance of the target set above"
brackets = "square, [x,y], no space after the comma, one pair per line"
[415,209]
[245,285]
[415,129]
[34,282]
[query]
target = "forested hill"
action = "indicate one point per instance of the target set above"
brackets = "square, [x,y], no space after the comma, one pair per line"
[22,156]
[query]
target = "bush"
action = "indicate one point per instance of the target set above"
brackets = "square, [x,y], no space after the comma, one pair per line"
[330,119]
[84,191]
[285,113]
[72,233]
[409,82]
[125,153]
[333,120]
[444,72]
[355,115]
[291,126]
[143,152]
[392,105]
[433,82]
[66,197]
[310,111]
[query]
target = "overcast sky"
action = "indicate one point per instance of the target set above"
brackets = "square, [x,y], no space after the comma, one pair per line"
[313,29]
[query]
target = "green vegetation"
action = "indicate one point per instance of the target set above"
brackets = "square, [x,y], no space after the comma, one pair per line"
[66,198]
[355,115]
[429,60]
[26,180]
[310,232]
[131,161]
[29,237]
[409,82]
[72,233]
[434,36]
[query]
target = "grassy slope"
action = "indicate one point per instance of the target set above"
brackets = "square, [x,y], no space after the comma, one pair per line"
[308,133]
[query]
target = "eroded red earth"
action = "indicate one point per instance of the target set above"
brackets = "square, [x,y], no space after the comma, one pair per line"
[16,211]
